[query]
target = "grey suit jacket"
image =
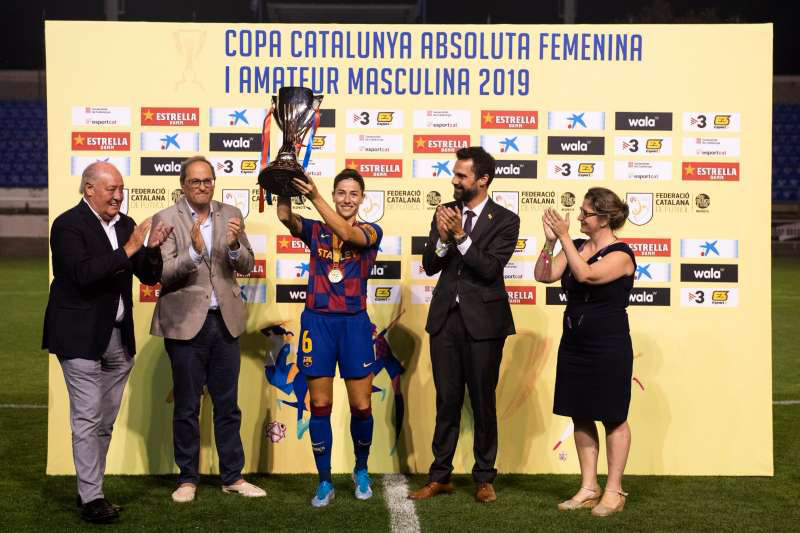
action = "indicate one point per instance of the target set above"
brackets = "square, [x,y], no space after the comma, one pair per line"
[186,286]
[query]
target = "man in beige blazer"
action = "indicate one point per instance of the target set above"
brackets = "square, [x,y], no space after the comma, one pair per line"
[200,314]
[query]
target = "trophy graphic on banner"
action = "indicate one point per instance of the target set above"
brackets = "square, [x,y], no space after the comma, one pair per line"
[296,111]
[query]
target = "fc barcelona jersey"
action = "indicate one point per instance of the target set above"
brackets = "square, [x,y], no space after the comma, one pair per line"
[348,296]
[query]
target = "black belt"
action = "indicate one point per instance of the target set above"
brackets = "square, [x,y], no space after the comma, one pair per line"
[216,311]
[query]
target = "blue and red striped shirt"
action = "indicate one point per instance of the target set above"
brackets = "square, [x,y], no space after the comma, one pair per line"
[348,296]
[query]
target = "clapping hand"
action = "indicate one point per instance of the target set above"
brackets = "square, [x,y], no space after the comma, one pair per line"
[158,235]
[558,225]
[232,231]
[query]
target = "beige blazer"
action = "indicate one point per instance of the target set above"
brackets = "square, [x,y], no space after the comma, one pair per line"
[186,286]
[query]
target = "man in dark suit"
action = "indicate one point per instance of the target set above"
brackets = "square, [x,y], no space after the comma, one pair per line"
[470,242]
[88,323]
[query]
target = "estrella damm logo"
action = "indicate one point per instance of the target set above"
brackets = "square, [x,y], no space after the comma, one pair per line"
[585,169]
[722,121]
[249,165]
[654,145]
[385,117]
[719,296]
[521,244]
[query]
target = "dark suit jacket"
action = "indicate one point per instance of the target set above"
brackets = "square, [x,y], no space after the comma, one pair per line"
[477,276]
[88,279]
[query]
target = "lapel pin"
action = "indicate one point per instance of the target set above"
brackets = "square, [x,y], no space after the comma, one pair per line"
[490,216]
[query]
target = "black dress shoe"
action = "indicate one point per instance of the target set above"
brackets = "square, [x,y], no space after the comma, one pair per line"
[79,502]
[99,511]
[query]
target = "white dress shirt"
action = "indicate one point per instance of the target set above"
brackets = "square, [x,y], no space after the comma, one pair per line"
[111,233]
[206,230]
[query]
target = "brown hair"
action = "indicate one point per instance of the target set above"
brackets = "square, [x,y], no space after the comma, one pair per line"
[195,159]
[607,203]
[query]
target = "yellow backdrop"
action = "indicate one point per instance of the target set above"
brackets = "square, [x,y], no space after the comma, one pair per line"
[674,118]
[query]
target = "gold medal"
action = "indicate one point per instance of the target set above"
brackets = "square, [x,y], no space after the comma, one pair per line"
[335,275]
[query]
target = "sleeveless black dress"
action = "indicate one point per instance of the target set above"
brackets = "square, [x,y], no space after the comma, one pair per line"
[595,357]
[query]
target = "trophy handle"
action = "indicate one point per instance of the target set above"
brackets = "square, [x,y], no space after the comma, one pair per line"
[275,114]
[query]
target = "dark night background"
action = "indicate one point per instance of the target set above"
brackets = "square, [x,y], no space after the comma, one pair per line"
[22,42]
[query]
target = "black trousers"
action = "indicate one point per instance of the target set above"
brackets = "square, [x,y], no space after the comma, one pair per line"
[211,358]
[458,360]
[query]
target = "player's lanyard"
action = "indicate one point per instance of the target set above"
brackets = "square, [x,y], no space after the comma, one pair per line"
[336,274]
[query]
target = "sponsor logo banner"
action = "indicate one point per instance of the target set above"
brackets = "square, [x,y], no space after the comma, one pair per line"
[291,269]
[711,121]
[508,199]
[254,294]
[372,208]
[152,141]
[147,198]
[232,117]
[442,119]
[383,144]
[710,249]
[643,146]
[286,244]
[649,296]
[421,294]
[324,144]
[521,295]
[321,167]
[576,145]
[643,170]
[99,141]
[149,293]
[258,243]
[160,166]
[239,198]
[518,271]
[526,246]
[234,142]
[515,168]
[417,272]
[440,144]
[640,207]
[711,146]
[575,170]
[376,168]
[510,144]
[653,272]
[649,247]
[385,270]
[698,171]
[101,116]
[327,118]
[506,120]
[537,200]
[391,245]
[78,164]
[431,168]
[576,120]
[259,270]
[709,273]
[709,297]
[374,118]
[383,294]
[418,245]
[170,116]
[235,166]
[290,294]
[643,121]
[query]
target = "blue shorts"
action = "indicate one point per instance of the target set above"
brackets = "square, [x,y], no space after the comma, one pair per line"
[328,338]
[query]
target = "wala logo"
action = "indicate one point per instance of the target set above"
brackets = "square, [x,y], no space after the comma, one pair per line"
[149,293]
[439,144]
[290,294]
[286,244]
[515,168]
[576,145]
[649,247]
[521,295]
[259,270]
[376,168]
[160,166]
[643,121]
[234,142]
[101,141]
[508,120]
[710,273]
[170,116]
[696,171]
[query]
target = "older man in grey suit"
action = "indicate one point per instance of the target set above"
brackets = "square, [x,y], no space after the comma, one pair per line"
[201,315]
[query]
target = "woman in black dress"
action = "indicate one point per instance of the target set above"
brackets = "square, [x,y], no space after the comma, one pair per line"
[595,357]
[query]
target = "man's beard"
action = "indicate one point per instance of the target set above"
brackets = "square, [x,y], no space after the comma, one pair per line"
[464,195]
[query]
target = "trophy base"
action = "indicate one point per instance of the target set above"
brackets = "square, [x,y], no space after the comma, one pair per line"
[277,178]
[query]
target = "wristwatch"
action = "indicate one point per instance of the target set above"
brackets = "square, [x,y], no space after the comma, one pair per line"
[461,240]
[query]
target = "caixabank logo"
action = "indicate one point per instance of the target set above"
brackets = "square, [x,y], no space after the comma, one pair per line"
[101,141]
[234,142]
[508,120]
[152,141]
[515,168]
[710,248]
[709,273]
[559,145]
[170,116]
[643,121]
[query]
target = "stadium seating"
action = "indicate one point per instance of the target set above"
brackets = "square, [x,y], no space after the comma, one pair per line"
[786,154]
[23,144]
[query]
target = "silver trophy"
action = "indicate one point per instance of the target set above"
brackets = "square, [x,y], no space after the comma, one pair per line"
[294,109]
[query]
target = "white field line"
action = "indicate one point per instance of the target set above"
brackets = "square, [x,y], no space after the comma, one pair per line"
[401,510]
[786,402]
[21,406]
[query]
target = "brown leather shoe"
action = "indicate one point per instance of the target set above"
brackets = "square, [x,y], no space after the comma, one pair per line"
[484,493]
[431,489]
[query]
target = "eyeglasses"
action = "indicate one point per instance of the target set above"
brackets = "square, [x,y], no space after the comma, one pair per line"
[588,214]
[195,184]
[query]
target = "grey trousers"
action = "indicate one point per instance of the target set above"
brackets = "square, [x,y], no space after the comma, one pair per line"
[95,392]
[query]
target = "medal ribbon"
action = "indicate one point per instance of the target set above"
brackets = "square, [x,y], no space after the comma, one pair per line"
[264,158]
[336,251]
[307,158]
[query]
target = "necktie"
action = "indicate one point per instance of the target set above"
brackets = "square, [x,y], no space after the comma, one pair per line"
[468,223]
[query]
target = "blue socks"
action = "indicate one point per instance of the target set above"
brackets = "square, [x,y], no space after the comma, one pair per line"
[321,440]
[361,424]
